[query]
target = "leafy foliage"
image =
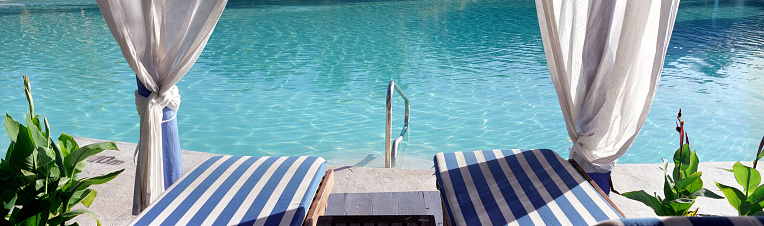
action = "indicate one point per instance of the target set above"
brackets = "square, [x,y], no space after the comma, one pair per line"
[39,180]
[680,194]
[749,201]
[682,186]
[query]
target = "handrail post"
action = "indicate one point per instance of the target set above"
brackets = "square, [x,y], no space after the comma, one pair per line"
[392,148]
[389,124]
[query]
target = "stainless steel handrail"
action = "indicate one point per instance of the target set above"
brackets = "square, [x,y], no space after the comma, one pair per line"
[391,149]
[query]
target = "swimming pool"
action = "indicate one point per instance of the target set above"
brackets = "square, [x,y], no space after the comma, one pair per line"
[309,78]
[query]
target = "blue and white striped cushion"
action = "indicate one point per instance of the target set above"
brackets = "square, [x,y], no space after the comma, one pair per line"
[526,187]
[232,190]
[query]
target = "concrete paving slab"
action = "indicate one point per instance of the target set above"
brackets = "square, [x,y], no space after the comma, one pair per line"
[352,179]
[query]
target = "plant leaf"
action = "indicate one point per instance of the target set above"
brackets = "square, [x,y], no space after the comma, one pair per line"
[12,127]
[685,160]
[705,193]
[89,198]
[33,120]
[747,177]
[28,192]
[39,185]
[734,196]
[745,208]
[8,197]
[694,162]
[78,196]
[23,154]
[755,208]
[33,124]
[75,161]
[67,144]
[10,150]
[668,188]
[59,161]
[695,186]
[680,200]
[63,182]
[45,157]
[56,202]
[685,183]
[678,207]
[758,195]
[71,215]
[31,214]
[85,183]
[645,198]
[28,174]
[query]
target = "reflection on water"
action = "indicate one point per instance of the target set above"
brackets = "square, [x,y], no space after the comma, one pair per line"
[309,78]
[713,71]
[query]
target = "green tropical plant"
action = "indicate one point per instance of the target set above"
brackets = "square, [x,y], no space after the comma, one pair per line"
[682,186]
[750,201]
[39,180]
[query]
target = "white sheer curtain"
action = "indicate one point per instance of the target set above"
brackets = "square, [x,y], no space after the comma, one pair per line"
[160,40]
[605,59]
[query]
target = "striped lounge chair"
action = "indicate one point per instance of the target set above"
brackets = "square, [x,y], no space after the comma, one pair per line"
[525,187]
[239,190]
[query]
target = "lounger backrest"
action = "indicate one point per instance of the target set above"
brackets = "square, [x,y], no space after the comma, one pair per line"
[526,187]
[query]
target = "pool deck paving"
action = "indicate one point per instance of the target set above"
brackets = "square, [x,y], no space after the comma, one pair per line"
[355,188]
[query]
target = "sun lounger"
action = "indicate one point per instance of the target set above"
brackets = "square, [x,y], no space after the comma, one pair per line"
[526,187]
[233,190]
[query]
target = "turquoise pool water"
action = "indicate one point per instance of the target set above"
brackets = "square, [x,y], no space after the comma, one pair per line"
[310,77]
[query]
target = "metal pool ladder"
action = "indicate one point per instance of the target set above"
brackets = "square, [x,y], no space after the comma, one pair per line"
[392,149]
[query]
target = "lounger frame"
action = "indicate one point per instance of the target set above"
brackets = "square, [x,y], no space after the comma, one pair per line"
[319,203]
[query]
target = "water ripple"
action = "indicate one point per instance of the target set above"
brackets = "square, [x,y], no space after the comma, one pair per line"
[309,78]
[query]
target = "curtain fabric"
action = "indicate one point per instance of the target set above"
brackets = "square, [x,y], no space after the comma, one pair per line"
[160,40]
[605,60]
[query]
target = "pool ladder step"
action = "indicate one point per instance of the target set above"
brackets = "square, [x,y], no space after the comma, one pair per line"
[391,148]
